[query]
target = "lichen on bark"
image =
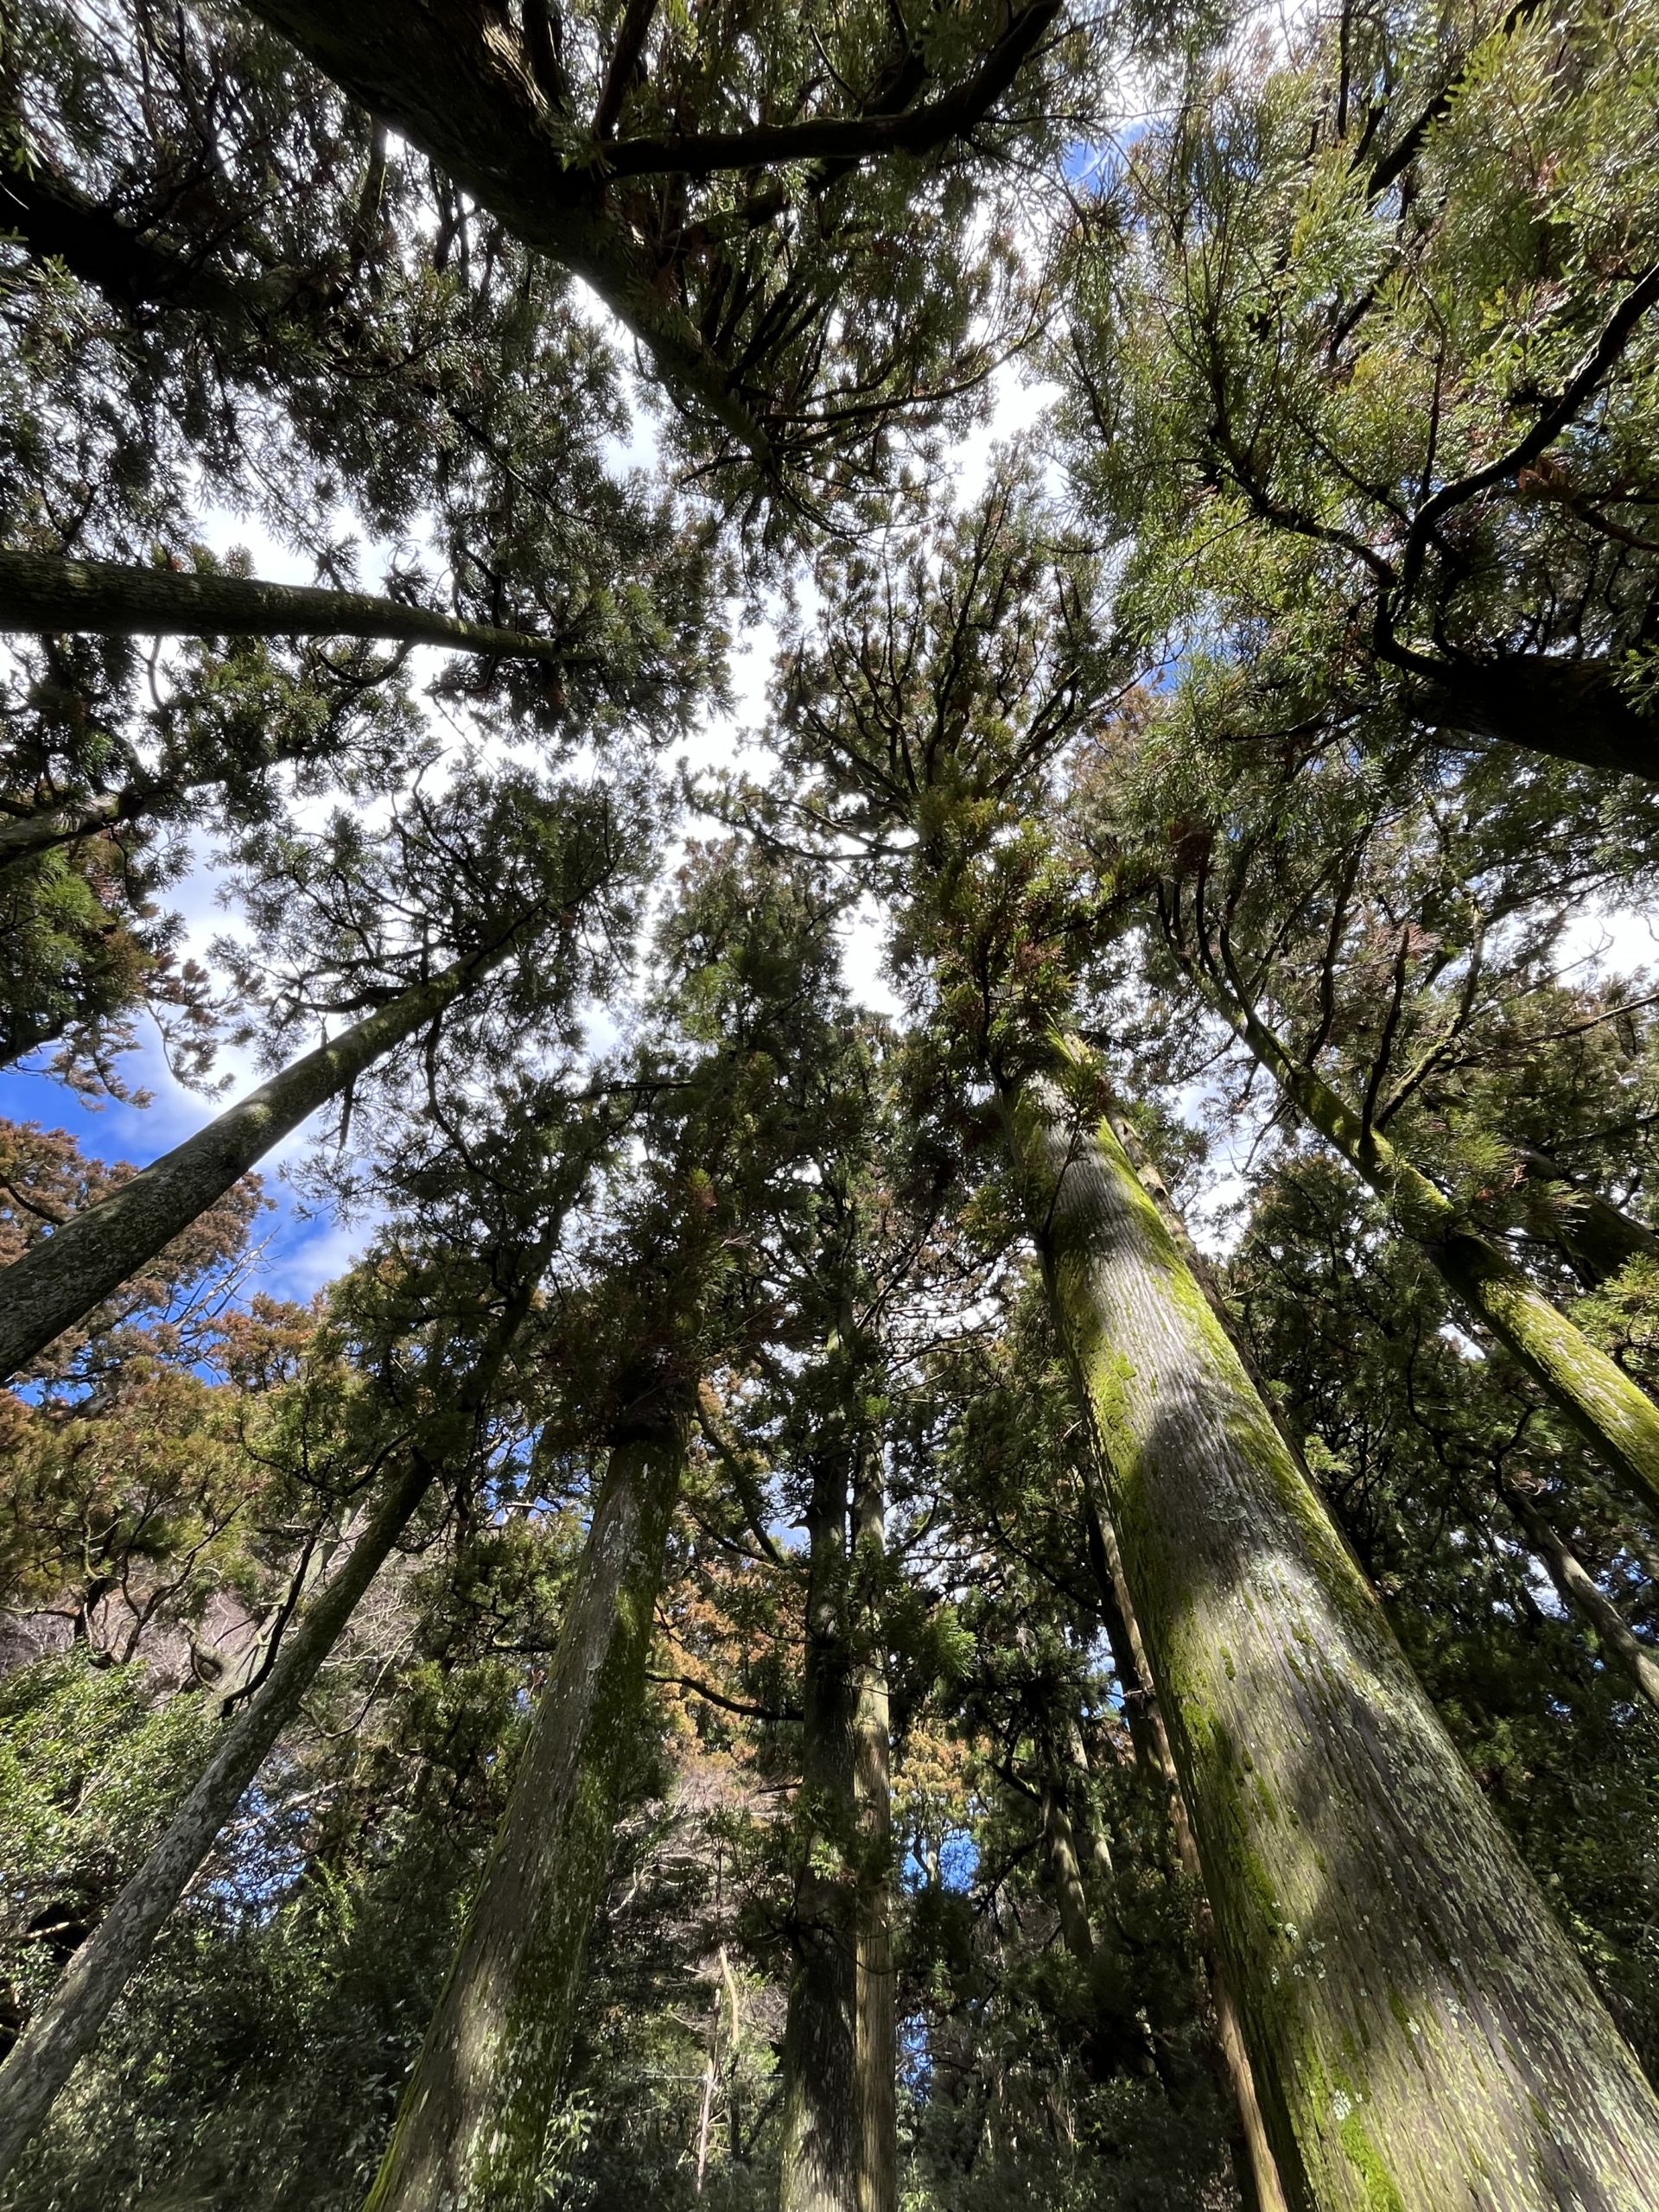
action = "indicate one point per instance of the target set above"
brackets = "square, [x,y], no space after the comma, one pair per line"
[1421,2029]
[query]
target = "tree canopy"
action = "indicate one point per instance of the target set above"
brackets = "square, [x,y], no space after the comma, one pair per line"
[1031,1581]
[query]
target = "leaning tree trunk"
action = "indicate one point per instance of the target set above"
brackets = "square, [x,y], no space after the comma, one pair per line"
[824,2114]
[41,2062]
[1617,1419]
[473,2124]
[1421,2033]
[1579,1591]
[875,2051]
[59,1280]
[46,591]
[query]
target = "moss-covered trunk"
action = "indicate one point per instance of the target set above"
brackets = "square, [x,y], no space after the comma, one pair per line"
[1254,2162]
[1619,1420]
[822,2146]
[472,2125]
[58,1280]
[41,2062]
[1422,2035]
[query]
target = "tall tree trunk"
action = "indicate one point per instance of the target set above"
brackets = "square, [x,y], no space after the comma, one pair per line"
[1255,2163]
[876,2037]
[1422,2036]
[1596,1239]
[1619,1419]
[44,591]
[1066,1873]
[1581,1594]
[472,2123]
[59,1280]
[824,2114]
[41,2062]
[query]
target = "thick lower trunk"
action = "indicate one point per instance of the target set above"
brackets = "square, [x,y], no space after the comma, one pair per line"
[1581,1594]
[876,2037]
[822,2129]
[59,1279]
[471,2125]
[44,591]
[1597,1240]
[1617,1420]
[40,2065]
[1421,2034]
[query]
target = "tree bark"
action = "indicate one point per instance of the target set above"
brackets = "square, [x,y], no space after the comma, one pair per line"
[1065,1873]
[1616,1419]
[1421,2034]
[59,1280]
[824,2116]
[876,2032]
[472,2122]
[1572,711]
[1580,1593]
[68,2026]
[132,267]
[45,592]
[1254,2164]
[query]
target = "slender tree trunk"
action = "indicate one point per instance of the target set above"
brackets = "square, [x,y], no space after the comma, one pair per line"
[45,591]
[41,2062]
[824,2114]
[1596,1239]
[1581,1594]
[1619,1419]
[876,2038]
[1422,2036]
[56,1281]
[1205,1275]
[1065,1874]
[472,2122]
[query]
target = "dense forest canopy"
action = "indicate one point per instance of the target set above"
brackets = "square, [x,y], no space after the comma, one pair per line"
[1038,1587]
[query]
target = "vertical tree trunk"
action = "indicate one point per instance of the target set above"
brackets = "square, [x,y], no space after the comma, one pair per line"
[823,2131]
[1255,2163]
[59,1280]
[1620,1422]
[41,2062]
[1065,1874]
[1581,1594]
[876,2040]
[472,2125]
[1422,2036]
